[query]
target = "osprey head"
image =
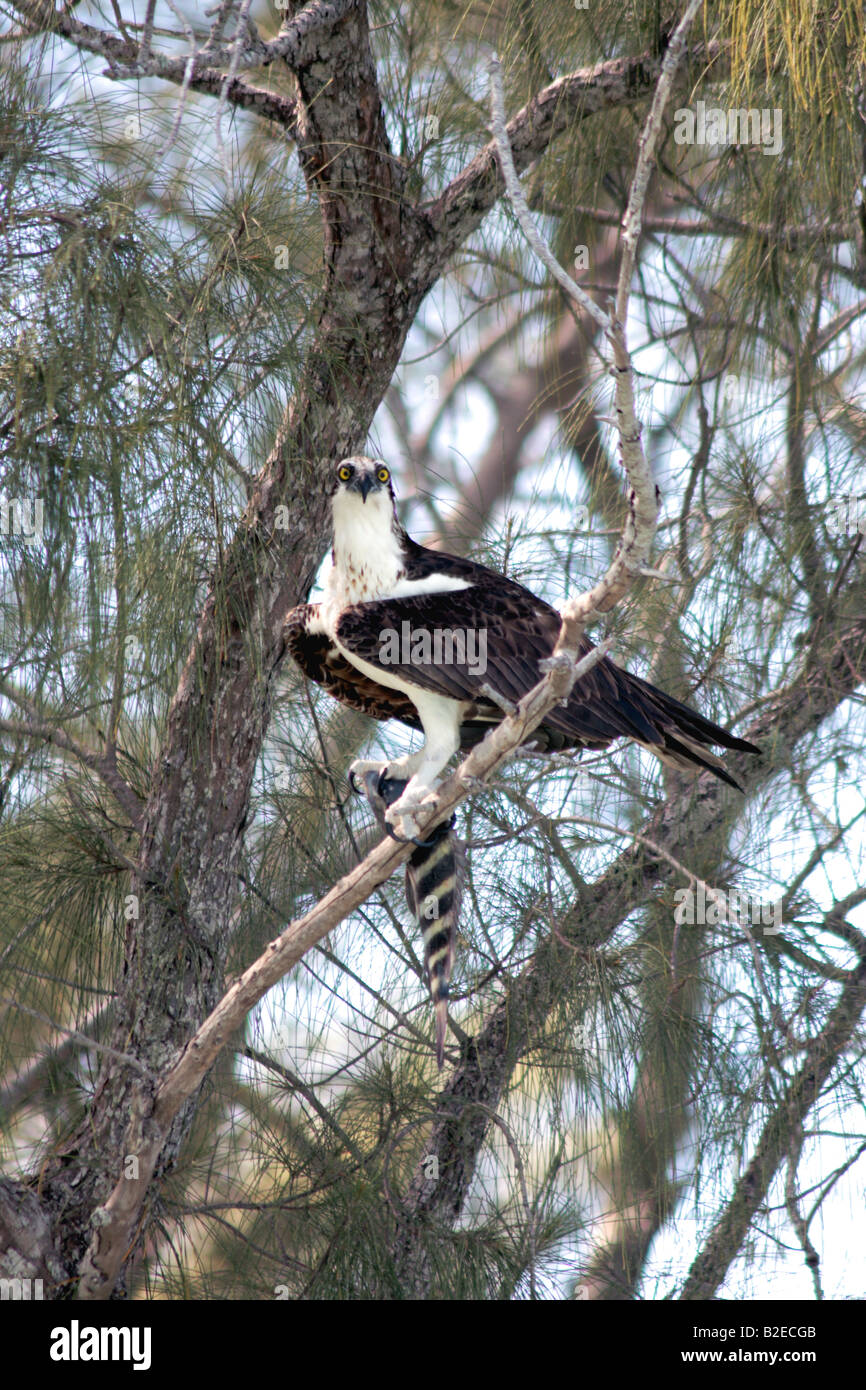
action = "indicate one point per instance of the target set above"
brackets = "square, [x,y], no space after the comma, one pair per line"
[368,539]
[358,477]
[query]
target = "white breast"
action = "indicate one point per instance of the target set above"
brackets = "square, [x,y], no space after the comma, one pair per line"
[368,560]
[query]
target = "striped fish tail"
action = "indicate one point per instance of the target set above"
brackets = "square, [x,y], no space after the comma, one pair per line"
[434,887]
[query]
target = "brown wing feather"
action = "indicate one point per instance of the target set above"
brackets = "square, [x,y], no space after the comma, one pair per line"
[520,630]
[321,662]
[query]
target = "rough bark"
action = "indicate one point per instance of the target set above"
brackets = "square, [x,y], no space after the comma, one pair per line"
[197,806]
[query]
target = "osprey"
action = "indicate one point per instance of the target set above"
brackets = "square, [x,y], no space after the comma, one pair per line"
[431,639]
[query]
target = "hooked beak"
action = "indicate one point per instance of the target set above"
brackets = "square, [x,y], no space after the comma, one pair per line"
[365,486]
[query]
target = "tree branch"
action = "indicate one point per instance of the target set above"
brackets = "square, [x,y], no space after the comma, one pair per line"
[790,236]
[128,59]
[458,210]
[634,548]
[822,1053]
[104,765]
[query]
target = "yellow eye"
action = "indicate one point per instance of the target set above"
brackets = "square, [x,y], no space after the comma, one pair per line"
[344,473]
[382,474]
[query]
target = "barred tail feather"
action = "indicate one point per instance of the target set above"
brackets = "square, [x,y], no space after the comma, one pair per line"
[434,887]
[435,875]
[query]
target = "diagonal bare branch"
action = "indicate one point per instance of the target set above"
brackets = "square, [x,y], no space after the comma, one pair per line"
[618,82]
[150,1125]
